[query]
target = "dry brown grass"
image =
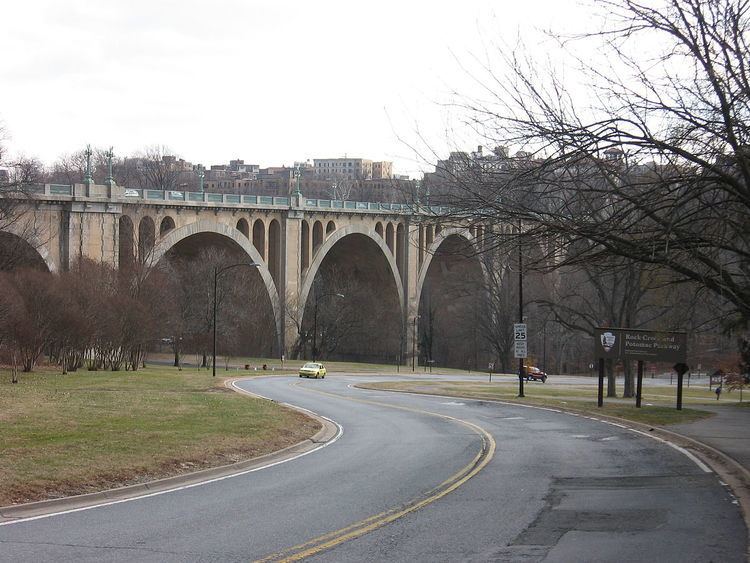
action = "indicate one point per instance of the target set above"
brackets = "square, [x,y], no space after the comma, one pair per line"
[89,431]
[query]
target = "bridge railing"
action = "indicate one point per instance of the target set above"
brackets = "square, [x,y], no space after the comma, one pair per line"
[374,206]
[137,194]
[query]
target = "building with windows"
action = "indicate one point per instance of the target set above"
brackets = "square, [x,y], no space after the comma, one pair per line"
[382,170]
[343,168]
[352,168]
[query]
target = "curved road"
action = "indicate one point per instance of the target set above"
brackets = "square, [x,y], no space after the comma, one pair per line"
[558,488]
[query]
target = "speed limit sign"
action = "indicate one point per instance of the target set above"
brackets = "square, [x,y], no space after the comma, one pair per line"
[519,331]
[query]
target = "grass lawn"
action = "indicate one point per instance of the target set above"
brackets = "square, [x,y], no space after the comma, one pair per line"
[577,398]
[88,431]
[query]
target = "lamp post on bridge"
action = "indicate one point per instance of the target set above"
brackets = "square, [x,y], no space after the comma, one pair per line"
[110,154]
[218,271]
[88,177]
[201,175]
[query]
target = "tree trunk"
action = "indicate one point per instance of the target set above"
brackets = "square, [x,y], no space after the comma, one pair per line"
[610,369]
[14,370]
[629,387]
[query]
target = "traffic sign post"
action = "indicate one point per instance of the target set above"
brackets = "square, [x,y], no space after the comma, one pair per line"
[520,351]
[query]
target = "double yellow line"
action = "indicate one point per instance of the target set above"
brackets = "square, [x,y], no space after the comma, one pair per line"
[335,538]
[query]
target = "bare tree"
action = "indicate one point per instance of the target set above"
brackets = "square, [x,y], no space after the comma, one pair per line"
[30,327]
[155,168]
[341,189]
[500,304]
[653,166]
[647,172]
[68,169]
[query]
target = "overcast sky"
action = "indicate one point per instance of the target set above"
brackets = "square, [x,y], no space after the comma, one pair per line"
[270,82]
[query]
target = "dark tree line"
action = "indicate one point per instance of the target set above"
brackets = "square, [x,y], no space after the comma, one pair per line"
[97,317]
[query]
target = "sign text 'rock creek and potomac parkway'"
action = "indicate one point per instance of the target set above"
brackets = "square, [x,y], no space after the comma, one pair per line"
[646,345]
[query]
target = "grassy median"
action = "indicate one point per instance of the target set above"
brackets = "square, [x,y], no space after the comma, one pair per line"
[88,431]
[582,399]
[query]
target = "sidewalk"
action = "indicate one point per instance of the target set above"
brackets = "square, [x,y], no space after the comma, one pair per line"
[727,431]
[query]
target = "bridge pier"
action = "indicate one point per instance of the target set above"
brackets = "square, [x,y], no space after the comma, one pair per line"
[89,230]
[291,277]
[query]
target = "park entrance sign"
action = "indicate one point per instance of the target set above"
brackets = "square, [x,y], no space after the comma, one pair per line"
[641,345]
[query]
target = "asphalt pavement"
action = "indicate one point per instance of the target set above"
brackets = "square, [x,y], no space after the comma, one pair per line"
[394,487]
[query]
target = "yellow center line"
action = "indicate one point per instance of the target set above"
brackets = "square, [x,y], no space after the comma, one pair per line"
[357,529]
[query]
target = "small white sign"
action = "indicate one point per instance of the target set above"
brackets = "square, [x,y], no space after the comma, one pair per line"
[521,349]
[519,331]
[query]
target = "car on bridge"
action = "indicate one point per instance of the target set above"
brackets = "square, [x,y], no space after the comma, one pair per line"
[533,373]
[313,369]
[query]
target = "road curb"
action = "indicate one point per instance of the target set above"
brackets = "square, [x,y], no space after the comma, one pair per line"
[32,509]
[731,472]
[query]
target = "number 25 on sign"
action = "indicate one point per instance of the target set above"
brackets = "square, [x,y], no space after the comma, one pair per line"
[519,331]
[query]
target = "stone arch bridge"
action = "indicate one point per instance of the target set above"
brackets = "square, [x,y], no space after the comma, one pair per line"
[292,238]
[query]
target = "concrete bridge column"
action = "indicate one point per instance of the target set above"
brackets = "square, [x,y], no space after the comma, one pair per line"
[291,274]
[90,231]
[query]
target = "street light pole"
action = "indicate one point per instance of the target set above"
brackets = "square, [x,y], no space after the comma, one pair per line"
[217,272]
[520,308]
[315,331]
[213,355]
[414,344]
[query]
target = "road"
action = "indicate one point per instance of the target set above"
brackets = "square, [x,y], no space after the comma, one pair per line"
[558,488]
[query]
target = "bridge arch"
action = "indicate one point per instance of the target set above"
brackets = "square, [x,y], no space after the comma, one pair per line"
[273,262]
[317,235]
[230,232]
[367,262]
[166,225]
[30,237]
[305,240]
[259,237]
[24,250]
[244,227]
[434,246]
[331,242]
[146,238]
[449,300]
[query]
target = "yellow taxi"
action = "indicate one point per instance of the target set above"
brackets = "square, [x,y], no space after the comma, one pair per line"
[313,369]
